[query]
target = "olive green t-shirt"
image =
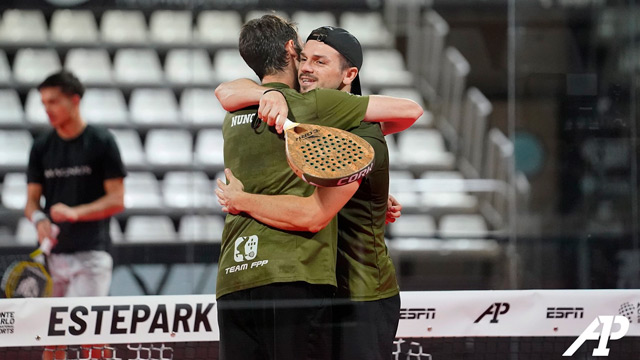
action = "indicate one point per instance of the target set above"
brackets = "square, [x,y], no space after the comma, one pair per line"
[252,253]
[364,269]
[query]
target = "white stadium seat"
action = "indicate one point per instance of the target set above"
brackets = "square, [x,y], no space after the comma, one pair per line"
[74,27]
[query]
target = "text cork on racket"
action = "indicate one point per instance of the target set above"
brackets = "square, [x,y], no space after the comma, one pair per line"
[326,156]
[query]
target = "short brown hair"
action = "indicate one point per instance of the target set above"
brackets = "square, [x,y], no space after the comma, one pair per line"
[262,44]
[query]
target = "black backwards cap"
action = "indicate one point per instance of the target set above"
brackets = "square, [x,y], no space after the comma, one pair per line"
[346,44]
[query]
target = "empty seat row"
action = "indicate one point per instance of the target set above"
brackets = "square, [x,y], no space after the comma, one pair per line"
[146,229]
[108,107]
[449,226]
[131,67]
[170,27]
[135,67]
[178,190]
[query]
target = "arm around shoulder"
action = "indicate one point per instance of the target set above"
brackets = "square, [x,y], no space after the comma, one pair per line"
[238,94]
[397,114]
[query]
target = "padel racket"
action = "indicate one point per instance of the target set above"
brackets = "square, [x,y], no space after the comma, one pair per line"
[27,276]
[326,156]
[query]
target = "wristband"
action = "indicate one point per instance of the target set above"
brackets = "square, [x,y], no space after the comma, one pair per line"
[273,89]
[38,216]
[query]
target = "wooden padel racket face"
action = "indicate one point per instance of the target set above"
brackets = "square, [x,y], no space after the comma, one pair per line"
[326,156]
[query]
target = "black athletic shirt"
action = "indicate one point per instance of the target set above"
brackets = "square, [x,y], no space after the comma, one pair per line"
[73,172]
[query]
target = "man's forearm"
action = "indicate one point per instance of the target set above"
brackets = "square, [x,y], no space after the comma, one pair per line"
[401,112]
[280,211]
[101,208]
[238,94]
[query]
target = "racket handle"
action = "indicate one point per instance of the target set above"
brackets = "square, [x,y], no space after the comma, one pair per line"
[48,243]
[288,124]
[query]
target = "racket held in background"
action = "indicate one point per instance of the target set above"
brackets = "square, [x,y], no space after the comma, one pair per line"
[326,156]
[27,275]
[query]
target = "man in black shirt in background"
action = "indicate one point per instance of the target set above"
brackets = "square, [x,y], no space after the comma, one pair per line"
[78,169]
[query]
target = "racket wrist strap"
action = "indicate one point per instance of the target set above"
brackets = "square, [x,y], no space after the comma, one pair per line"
[38,216]
[273,89]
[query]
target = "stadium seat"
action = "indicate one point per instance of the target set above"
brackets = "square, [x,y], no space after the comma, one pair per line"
[32,66]
[150,229]
[218,28]
[5,69]
[183,189]
[407,197]
[11,106]
[142,191]
[169,147]
[455,69]
[255,14]
[26,233]
[413,225]
[130,147]
[91,66]
[199,106]
[424,149]
[15,146]
[475,113]
[188,67]
[33,108]
[432,41]
[104,106]
[499,158]
[123,27]
[137,67]
[206,228]
[368,27]
[426,120]
[74,27]
[384,68]
[463,226]
[153,106]
[171,27]
[115,231]
[209,147]
[228,65]
[394,155]
[23,27]
[453,199]
[310,20]
[14,191]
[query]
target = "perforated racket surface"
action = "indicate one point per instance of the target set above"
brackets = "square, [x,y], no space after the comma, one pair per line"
[326,156]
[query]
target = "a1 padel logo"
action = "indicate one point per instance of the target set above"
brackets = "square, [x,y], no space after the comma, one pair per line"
[246,248]
[495,310]
[605,334]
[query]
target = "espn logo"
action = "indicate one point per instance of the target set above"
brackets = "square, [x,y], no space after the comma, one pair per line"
[417,314]
[565,312]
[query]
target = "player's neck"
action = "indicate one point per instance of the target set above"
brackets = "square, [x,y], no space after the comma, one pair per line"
[72,128]
[287,77]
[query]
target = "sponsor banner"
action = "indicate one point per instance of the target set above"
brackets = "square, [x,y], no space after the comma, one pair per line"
[140,319]
[115,320]
[513,313]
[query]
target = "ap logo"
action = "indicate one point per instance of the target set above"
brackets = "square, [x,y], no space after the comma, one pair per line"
[604,334]
[246,248]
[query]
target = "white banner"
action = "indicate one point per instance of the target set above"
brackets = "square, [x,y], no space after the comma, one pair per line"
[144,319]
[113,320]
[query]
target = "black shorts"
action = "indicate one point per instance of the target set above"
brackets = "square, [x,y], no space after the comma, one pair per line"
[365,330]
[278,321]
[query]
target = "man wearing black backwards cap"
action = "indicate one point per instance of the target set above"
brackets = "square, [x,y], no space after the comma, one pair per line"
[368,304]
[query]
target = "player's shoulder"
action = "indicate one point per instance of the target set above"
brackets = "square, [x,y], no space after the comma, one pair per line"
[98,134]
[41,140]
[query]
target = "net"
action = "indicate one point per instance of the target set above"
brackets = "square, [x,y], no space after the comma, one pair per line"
[461,325]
